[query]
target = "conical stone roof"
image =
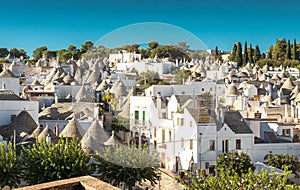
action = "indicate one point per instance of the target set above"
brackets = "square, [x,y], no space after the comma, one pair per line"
[120,90]
[232,90]
[288,84]
[47,131]
[7,73]
[73,129]
[83,96]
[94,138]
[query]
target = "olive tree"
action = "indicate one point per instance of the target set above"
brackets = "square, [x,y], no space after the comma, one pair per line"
[238,162]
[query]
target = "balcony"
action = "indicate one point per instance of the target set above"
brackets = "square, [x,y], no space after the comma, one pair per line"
[140,124]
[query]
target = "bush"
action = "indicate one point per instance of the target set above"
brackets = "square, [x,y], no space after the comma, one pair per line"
[46,162]
[10,166]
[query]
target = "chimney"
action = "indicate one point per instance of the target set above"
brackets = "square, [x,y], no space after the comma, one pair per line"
[292,110]
[279,97]
[15,137]
[158,104]
[55,98]
[57,129]
[286,115]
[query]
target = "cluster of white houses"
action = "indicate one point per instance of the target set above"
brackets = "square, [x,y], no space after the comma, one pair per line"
[219,108]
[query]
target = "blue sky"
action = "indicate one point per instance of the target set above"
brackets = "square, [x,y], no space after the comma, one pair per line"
[58,23]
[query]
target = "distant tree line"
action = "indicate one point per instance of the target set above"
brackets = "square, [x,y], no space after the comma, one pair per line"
[283,52]
[13,52]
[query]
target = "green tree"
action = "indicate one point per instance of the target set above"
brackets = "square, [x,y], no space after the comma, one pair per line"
[183,46]
[235,161]
[270,52]
[245,59]
[4,52]
[170,51]
[256,55]
[216,53]
[86,46]
[14,52]
[133,48]
[295,54]
[71,48]
[279,50]
[38,52]
[46,162]
[181,75]
[10,166]
[149,78]
[233,54]
[239,54]
[49,54]
[23,53]
[121,164]
[283,161]
[288,53]
[152,45]
[251,54]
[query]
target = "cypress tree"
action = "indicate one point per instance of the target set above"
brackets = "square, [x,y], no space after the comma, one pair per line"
[232,56]
[216,53]
[239,54]
[288,51]
[295,56]
[270,52]
[256,55]
[245,60]
[251,54]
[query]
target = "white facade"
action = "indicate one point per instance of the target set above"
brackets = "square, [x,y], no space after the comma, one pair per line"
[194,88]
[11,108]
[124,57]
[146,65]
[11,83]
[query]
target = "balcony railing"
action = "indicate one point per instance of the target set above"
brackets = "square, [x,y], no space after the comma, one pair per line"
[140,123]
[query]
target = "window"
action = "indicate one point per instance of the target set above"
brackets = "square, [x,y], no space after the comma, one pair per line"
[182,142]
[144,117]
[191,144]
[179,121]
[224,145]
[238,144]
[286,132]
[191,123]
[155,133]
[12,117]
[170,136]
[136,115]
[212,145]
[155,145]
[202,89]
[163,136]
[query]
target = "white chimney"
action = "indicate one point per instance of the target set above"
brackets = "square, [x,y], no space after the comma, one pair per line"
[286,115]
[292,110]
[158,104]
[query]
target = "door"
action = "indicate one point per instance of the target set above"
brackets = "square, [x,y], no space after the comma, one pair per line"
[163,160]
